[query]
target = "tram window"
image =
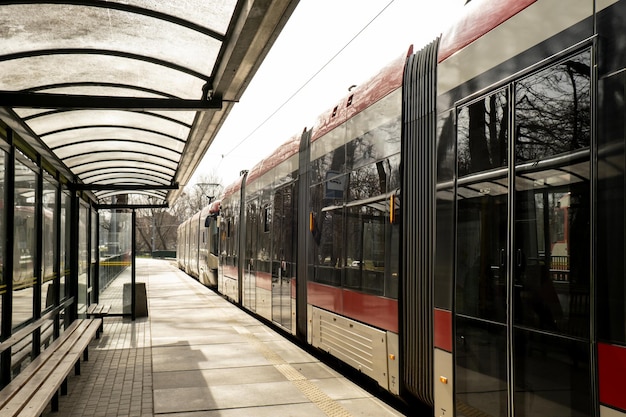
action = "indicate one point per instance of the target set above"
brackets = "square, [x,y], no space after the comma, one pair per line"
[328,240]
[553,202]
[267,220]
[369,181]
[483,134]
[365,249]
[553,110]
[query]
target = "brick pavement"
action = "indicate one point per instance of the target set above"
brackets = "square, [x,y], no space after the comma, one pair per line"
[117,379]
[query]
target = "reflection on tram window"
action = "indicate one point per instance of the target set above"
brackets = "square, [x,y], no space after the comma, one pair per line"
[553,110]
[374,144]
[552,240]
[551,376]
[481,371]
[482,134]
[482,208]
[365,249]
[553,198]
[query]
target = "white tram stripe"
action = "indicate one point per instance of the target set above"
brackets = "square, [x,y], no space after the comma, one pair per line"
[518,34]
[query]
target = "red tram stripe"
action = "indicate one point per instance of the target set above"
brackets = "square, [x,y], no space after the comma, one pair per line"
[371,309]
[442,323]
[611,371]
[264,280]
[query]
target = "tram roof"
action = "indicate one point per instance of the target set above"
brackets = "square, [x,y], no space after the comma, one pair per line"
[126,96]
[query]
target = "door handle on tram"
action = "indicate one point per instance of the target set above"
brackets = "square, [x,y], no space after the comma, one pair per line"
[502,258]
[519,258]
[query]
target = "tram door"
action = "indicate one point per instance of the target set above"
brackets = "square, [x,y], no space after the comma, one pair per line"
[253,254]
[284,243]
[522,293]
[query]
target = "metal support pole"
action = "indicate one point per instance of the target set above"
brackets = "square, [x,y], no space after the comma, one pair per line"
[133,274]
[38,264]
[7,297]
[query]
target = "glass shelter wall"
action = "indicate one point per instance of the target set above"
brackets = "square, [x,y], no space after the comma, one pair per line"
[25,251]
[115,257]
[4,275]
[36,266]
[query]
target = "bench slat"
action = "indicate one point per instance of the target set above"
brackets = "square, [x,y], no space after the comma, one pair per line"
[20,380]
[31,390]
[50,387]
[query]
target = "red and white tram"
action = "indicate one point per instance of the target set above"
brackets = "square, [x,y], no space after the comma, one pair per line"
[454,228]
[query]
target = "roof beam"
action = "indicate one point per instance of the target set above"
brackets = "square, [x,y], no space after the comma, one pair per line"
[123,187]
[35,100]
[130,206]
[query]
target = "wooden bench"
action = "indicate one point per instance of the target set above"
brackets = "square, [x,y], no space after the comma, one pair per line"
[29,393]
[98,311]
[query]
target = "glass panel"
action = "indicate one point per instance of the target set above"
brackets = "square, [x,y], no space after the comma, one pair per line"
[115,250]
[121,156]
[482,209]
[213,14]
[328,240]
[24,243]
[86,135]
[374,133]
[445,212]
[283,272]
[369,181]
[551,252]
[160,38]
[481,244]
[481,368]
[49,243]
[94,252]
[252,253]
[483,134]
[3,228]
[75,68]
[365,249]
[66,207]
[328,155]
[553,110]
[122,165]
[552,248]
[73,153]
[611,206]
[551,376]
[83,257]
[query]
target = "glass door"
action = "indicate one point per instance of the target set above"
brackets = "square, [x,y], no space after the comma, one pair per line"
[523,247]
[481,253]
[283,245]
[552,236]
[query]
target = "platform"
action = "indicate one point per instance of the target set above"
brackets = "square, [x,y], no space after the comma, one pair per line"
[198,355]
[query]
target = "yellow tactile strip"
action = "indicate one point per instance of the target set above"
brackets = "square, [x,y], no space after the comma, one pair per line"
[329,406]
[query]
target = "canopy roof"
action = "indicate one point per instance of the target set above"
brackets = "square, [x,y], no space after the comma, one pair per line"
[126,96]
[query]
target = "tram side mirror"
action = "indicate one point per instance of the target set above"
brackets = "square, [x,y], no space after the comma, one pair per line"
[207,221]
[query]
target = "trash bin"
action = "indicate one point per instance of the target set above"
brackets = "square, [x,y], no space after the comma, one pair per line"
[141,299]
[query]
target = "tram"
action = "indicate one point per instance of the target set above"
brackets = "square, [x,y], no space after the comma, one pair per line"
[454,228]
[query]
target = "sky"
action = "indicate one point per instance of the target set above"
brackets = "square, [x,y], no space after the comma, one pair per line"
[325,47]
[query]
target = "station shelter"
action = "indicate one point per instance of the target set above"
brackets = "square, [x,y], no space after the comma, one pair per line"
[101,101]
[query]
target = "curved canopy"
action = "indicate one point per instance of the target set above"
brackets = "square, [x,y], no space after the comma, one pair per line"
[126,96]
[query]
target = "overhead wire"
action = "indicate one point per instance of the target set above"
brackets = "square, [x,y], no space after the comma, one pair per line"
[268,118]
